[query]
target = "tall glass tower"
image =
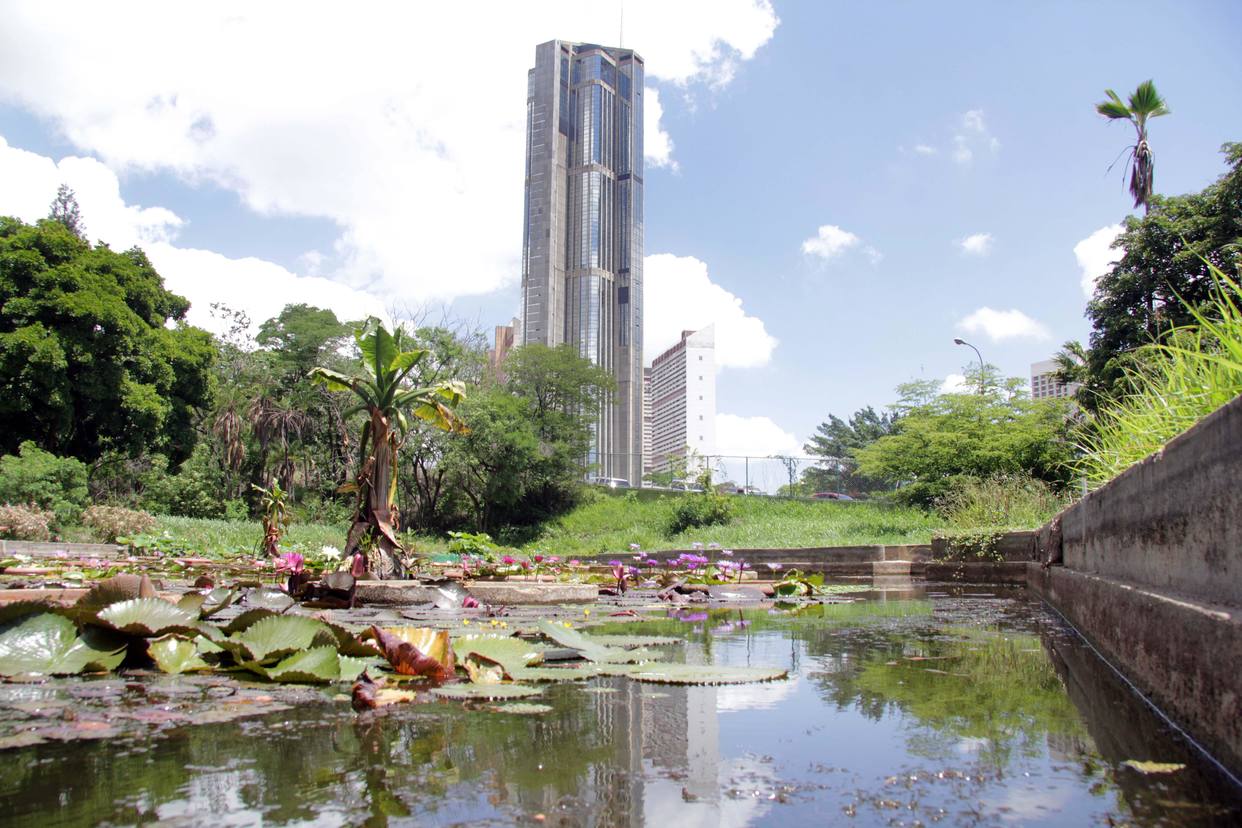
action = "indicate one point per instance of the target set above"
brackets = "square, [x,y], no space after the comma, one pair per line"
[582,248]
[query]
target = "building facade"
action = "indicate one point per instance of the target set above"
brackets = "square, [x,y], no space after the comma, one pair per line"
[582,246]
[683,403]
[1044,383]
[647,422]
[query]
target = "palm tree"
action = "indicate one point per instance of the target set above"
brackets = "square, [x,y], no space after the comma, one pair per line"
[386,399]
[1144,103]
[1071,363]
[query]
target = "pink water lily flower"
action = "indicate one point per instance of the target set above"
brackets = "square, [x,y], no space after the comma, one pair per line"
[291,562]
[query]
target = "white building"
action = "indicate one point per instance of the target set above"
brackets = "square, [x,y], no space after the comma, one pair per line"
[1044,384]
[683,401]
[647,423]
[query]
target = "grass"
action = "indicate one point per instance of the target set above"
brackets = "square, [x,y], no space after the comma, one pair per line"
[613,522]
[232,537]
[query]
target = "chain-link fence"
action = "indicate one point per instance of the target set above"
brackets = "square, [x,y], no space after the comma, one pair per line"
[784,475]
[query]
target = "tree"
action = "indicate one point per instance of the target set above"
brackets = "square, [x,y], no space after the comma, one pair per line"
[95,353]
[1145,102]
[836,441]
[386,399]
[65,210]
[1000,431]
[1163,272]
[301,336]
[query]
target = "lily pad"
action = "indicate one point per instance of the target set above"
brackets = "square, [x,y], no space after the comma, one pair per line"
[248,619]
[349,644]
[317,665]
[705,674]
[175,655]
[569,637]
[511,653]
[483,670]
[351,667]
[522,708]
[48,644]
[269,599]
[631,641]
[556,673]
[216,600]
[192,602]
[281,635]
[1153,767]
[20,609]
[108,592]
[482,692]
[149,617]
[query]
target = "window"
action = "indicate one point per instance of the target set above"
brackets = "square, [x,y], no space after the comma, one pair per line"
[700,357]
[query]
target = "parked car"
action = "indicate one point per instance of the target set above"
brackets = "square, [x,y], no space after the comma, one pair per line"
[830,496]
[612,482]
[685,486]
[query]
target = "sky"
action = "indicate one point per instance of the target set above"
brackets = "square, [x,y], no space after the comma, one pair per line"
[841,188]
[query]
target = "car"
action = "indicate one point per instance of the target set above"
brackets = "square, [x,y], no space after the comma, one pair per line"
[685,486]
[612,482]
[830,496]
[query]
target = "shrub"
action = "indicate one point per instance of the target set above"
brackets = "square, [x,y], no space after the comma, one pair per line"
[695,510]
[1174,385]
[1004,501]
[111,522]
[28,523]
[39,478]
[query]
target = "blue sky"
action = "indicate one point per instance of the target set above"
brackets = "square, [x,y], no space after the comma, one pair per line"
[815,173]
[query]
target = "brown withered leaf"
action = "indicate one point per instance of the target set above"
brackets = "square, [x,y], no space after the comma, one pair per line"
[417,651]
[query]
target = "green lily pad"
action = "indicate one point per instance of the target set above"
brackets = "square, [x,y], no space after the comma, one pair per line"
[632,641]
[107,592]
[216,600]
[483,670]
[247,619]
[522,708]
[568,637]
[317,665]
[20,609]
[48,644]
[512,654]
[149,617]
[192,602]
[175,655]
[351,667]
[280,635]
[349,644]
[555,673]
[269,599]
[705,674]
[482,692]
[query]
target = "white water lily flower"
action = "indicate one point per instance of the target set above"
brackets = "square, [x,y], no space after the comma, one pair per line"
[330,553]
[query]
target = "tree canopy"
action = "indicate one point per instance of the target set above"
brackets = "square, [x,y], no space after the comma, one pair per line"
[94,351]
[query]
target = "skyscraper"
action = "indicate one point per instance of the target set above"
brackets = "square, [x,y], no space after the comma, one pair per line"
[582,247]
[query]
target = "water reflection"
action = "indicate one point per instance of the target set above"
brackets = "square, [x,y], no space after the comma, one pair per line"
[961,710]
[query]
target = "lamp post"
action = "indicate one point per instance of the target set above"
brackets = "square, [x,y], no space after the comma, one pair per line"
[981,368]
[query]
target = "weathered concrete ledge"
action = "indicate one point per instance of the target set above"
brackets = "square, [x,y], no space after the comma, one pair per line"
[806,558]
[41,549]
[1183,654]
[977,572]
[514,593]
[1011,546]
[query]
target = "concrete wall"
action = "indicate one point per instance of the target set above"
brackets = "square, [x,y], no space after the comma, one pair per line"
[1174,521]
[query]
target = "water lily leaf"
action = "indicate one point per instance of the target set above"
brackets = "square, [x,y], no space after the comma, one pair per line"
[248,619]
[48,644]
[417,651]
[269,599]
[705,674]
[20,609]
[483,670]
[568,637]
[317,665]
[555,673]
[351,667]
[1153,767]
[149,617]
[106,593]
[349,644]
[472,692]
[279,635]
[522,708]
[175,655]
[216,600]
[192,602]
[205,646]
[367,695]
[511,653]
[631,641]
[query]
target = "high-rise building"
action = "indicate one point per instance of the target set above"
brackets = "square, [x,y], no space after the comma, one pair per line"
[1044,382]
[683,403]
[582,248]
[647,421]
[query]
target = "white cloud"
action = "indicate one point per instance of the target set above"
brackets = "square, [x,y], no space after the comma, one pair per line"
[924,149]
[976,244]
[1002,325]
[657,145]
[680,296]
[376,121]
[830,241]
[753,437]
[258,287]
[972,136]
[1096,256]
[954,384]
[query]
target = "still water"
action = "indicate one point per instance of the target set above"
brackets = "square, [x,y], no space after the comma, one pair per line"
[916,707]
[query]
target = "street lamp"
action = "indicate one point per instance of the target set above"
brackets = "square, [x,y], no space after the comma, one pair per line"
[982,371]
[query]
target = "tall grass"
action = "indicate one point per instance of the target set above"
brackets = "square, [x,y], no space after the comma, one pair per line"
[1001,502]
[1174,385]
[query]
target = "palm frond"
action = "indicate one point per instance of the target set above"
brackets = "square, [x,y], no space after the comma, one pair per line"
[1146,101]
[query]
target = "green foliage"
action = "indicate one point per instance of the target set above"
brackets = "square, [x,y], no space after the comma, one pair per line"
[1163,274]
[108,523]
[1145,102]
[837,441]
[942,438]
[694,511]
[1007,501]
[34,476]
[28,523]
[473,544]
[301,337]
[87,357]
[1172,385]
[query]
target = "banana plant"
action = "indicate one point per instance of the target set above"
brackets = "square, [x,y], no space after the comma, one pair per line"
[387,399]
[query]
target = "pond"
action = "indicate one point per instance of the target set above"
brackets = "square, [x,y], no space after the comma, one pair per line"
[936,705]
